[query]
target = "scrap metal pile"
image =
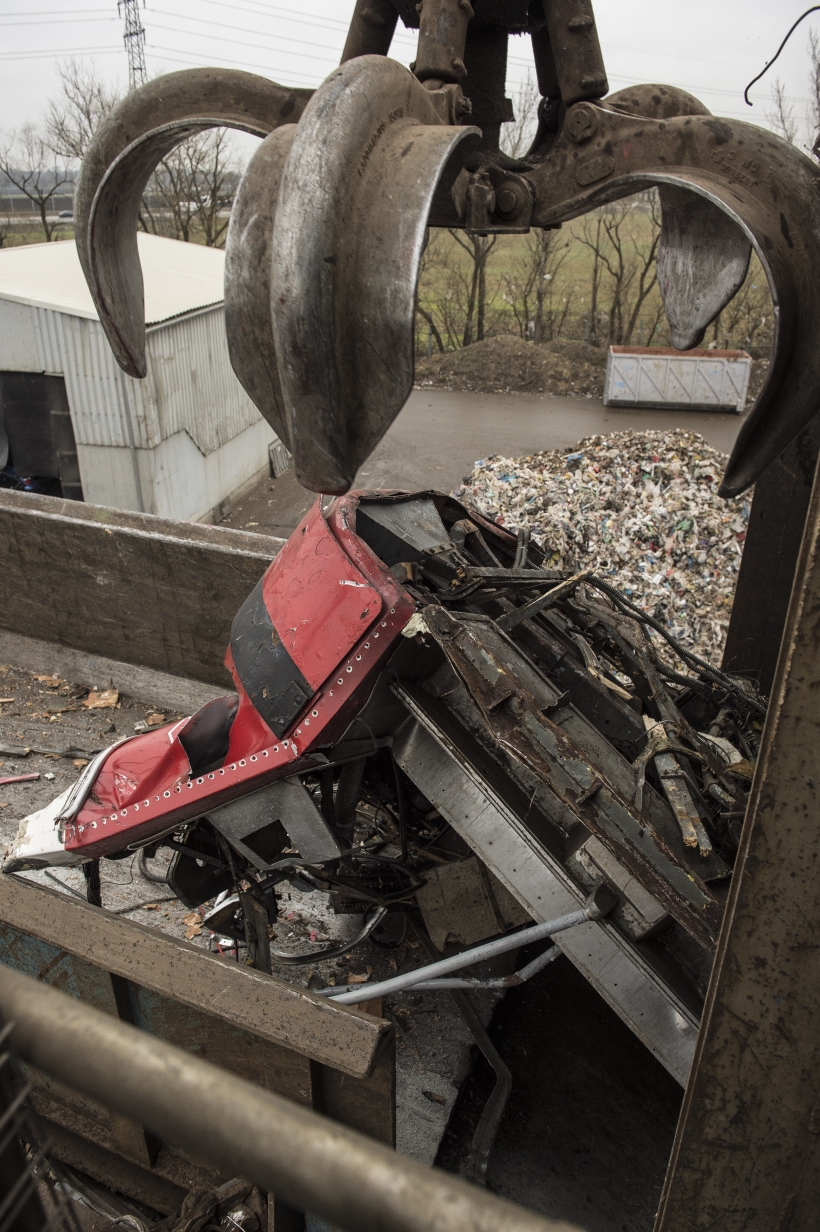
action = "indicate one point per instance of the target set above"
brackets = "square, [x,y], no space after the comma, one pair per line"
[414,683]
[396,646]
[642,510]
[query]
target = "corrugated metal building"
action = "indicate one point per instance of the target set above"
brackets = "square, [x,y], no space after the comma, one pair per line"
[181,442]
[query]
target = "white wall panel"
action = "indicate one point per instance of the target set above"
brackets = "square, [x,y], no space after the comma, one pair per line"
[197,435]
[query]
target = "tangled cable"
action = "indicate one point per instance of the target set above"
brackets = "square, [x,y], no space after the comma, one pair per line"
[691,660]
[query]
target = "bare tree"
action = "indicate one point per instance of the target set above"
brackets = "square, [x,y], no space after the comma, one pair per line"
[593,237]
[624,248]
[426,314]
[189,195]
[478,249]
[813,116]
[538,297]
[748,319]
[72,118]
[29,166]
[781,117]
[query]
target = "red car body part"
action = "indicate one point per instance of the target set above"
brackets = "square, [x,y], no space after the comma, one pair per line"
[306,649]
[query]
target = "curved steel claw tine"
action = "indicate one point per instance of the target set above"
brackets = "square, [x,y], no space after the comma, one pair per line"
[142,131]
[248,258]
[769,196]
[703,259]
[350,228]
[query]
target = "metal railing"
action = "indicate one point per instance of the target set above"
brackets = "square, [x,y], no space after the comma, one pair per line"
[25,1205]
[309,1161]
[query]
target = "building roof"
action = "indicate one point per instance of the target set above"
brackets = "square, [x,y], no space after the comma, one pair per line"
[178,277]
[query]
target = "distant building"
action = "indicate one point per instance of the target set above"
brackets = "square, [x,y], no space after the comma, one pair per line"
[182,443]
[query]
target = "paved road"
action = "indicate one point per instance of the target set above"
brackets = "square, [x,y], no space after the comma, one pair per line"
[441,433]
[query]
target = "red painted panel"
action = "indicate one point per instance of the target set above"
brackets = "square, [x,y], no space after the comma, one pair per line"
[343,634]
[341,518]
[249,731]
[319,602]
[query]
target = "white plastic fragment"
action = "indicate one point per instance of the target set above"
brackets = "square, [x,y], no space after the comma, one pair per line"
[642,510]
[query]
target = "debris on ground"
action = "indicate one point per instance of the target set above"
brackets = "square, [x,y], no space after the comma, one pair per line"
[510,364]
[105,700]
[639,508]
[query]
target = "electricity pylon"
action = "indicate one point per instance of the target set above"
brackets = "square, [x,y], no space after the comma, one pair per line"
[134,39]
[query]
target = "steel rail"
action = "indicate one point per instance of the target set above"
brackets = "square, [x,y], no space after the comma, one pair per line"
[313,1163]
[596,906]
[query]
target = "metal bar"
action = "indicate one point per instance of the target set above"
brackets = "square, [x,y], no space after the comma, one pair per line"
[746,1153]
[770,554]
[262,1004]
[511,619]
[574,41]
[503,981]
[309,1161]
[490,949]
[371,31]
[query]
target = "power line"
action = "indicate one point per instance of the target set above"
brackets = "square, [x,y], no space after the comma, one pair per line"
[57,13]
[134,39]
[55,51]
[243,42]
[270,10]
[60,21]
[173,57]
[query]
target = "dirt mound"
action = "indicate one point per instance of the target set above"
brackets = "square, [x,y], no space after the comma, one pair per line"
[508,364]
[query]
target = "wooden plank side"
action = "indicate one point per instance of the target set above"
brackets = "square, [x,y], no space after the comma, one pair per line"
[365,1104]
[128,586]
[335,1035]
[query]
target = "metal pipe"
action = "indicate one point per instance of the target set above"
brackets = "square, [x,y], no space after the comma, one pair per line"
[503,981]
[314,1163]
[490,949]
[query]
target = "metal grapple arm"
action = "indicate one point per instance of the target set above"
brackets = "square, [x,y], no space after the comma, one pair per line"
[330,220]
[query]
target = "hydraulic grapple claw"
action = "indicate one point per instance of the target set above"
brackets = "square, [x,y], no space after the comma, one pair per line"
[248,261]
[350,226]
[127,148]
[326,242]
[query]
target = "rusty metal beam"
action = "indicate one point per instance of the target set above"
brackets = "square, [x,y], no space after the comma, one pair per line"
[264,1005]
[764,585]
[746,1157]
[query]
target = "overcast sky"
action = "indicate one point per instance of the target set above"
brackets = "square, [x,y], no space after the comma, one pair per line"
[710,47]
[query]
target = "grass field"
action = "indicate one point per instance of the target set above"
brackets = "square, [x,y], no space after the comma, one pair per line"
[572,267]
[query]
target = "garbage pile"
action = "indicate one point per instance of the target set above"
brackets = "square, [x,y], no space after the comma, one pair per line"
[642,510]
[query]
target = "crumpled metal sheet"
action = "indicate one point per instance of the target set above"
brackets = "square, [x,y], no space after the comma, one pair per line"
[639,508]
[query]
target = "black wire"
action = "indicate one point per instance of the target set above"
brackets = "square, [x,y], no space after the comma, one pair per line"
[63,885]
[157,878]
[814,9]
[692,660]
